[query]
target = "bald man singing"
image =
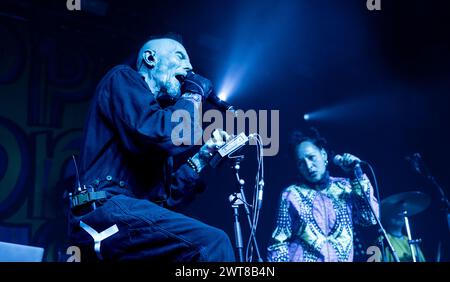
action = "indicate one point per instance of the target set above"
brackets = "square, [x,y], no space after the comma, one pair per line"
[131,186]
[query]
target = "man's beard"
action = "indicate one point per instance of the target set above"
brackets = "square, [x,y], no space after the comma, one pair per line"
[166,99]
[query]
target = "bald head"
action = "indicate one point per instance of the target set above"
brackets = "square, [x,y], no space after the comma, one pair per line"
[160,46]
[163,62]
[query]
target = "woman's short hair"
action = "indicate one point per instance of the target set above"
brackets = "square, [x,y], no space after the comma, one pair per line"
[312,135]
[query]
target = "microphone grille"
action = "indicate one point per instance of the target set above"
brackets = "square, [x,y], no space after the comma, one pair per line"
[337,159]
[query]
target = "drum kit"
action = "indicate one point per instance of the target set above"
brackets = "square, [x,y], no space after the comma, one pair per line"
[406,204]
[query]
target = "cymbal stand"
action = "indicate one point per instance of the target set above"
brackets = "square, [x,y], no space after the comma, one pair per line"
[411,242]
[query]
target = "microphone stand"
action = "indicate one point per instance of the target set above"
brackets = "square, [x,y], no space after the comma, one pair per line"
[419,166]
[445,202]
[383,231]
[444,199]
[236,167]
[235,203]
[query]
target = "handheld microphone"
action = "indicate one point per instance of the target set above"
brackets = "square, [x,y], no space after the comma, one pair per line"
[339,161]
[214,99]
[220,104]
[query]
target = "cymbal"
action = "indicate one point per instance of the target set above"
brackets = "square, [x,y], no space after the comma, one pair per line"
[412,202]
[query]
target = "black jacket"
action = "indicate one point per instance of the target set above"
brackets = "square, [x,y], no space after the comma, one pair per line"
[127,146]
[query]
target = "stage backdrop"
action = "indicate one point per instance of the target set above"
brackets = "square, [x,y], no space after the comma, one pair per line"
[47,76]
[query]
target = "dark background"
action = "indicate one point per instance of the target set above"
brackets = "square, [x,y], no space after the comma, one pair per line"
[380,78]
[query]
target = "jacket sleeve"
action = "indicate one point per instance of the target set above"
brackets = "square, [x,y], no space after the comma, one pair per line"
[127,103]
[185,184]
[361,190]
[278,251]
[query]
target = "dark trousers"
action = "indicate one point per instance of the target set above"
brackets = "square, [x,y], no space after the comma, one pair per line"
[149,232]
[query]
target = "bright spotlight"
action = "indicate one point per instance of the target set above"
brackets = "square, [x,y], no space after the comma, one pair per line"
[306,116]
[223,95]
[228,86]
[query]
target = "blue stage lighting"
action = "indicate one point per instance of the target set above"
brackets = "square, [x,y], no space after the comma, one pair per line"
[255,36]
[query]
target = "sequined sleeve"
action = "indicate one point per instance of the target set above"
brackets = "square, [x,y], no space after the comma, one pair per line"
[362,213]
[278,251]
